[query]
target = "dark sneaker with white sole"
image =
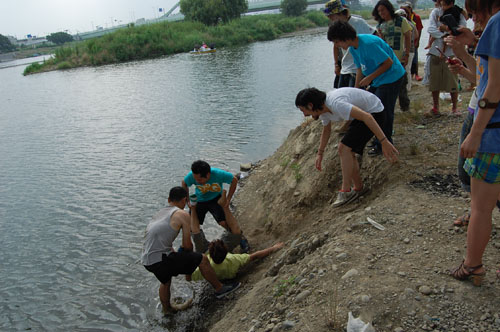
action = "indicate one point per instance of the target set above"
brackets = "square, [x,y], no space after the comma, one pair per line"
[227,289]
[366,189]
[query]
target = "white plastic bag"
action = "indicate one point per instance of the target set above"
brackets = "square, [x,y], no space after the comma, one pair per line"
[357,325]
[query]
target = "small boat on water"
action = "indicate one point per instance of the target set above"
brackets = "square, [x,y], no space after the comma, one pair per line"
[203,51]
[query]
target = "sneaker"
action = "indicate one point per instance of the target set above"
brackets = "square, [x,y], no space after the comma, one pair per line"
[374,152]
[345,197]
[244,246]
[366,189]
[417,78]
[226,289]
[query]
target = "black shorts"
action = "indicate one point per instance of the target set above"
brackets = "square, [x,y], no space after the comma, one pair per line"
[359,134]
[210,206]
[174,264]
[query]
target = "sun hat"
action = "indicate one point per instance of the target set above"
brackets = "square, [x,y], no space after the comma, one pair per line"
[400,12]
[406,4]
[334,7]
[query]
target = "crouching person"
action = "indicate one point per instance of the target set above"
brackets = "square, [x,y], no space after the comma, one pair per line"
[159,257]
[367,114]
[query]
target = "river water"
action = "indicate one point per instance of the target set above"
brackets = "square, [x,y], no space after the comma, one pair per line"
[88,156]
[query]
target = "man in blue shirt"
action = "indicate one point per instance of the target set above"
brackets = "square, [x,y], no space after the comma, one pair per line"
[208,182]
[378,69]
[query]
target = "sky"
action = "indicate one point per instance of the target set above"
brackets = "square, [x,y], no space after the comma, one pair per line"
[19,18]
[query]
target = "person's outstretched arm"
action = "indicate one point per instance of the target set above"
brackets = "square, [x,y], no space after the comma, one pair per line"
[266,252]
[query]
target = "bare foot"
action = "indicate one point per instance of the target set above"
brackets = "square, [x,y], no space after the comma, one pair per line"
[168,311]
[222,199]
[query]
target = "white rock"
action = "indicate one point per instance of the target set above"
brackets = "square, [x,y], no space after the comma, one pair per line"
[350,273]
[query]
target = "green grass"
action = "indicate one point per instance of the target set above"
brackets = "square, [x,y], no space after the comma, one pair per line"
[284,285]
[151,41]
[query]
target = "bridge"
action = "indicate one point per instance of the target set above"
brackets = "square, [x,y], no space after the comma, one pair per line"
[254,6]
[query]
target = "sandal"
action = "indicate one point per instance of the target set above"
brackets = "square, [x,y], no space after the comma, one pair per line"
[462,221]
[463,272]
[432,112]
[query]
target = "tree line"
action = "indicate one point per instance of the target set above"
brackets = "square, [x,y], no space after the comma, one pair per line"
[212,12]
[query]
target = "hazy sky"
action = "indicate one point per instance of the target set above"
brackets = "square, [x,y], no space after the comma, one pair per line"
[41,17]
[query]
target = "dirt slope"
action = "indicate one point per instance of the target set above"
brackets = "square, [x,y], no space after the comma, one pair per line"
[335,262]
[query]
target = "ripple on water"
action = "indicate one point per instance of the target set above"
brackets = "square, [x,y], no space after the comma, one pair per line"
[82,171]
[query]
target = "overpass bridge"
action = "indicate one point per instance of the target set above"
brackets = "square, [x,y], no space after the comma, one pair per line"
[254,6]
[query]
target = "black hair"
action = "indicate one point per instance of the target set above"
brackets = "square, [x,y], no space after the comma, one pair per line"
[341,31]
[176,194]
[448,2]
[200,167]
[218,251]
[311,95]
[387,4]
[481,6]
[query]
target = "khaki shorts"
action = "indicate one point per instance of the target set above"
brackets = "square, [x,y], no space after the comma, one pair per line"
[441,78]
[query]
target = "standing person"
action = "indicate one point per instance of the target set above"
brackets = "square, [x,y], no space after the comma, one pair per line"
[441,78]
[367,114]
[347,70]
[160,258]
[415,18]
[377,67]
[470,72]
[396,31]
[208,182]
[414,37]
[481,147]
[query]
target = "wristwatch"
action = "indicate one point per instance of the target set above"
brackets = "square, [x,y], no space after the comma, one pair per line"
[485,103]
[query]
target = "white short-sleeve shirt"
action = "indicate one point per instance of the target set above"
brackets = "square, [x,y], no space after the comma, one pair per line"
[340,102]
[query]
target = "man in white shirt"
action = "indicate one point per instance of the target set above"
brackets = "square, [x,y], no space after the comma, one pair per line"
[367,114]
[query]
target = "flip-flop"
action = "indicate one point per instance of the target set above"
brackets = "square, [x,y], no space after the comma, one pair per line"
[462,221]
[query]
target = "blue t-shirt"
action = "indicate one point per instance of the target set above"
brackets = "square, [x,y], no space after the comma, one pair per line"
[213,187]
[488,47]
[372,51]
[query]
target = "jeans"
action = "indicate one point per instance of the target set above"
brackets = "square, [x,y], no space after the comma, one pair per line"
[404,100]
[414,63]
[388,94]
[462,174]
[347,80]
